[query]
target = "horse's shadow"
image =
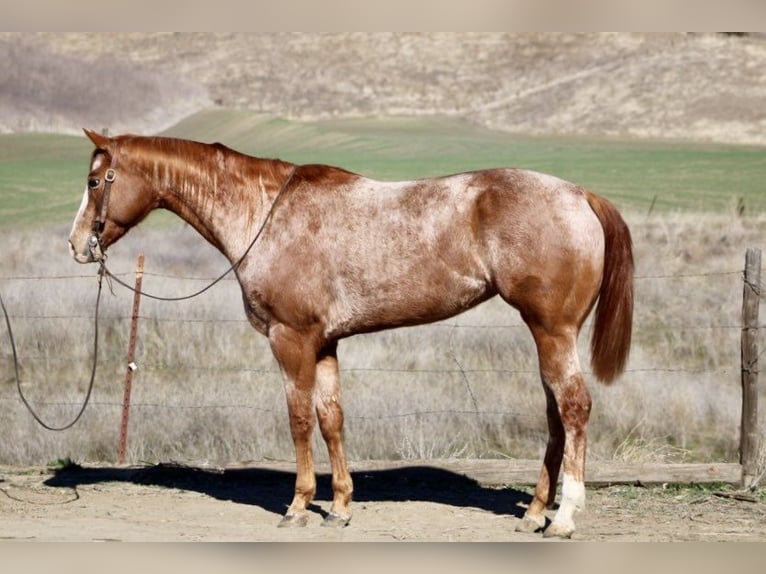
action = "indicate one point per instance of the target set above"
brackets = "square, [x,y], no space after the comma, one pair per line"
[272,490]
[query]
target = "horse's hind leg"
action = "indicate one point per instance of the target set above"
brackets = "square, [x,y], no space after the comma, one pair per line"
[330,414]
[569,407]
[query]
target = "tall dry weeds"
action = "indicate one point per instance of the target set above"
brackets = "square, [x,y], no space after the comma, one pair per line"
[207,387]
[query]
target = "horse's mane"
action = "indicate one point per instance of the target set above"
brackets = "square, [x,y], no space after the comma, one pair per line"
[203,172]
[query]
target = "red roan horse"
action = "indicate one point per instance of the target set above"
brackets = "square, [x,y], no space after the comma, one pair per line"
[340,254]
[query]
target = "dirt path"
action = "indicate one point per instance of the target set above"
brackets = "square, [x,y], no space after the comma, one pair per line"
[165,503]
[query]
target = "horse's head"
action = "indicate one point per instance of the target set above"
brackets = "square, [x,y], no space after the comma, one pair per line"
[116,198]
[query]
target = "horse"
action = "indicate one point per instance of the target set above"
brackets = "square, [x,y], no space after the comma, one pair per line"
[339,254]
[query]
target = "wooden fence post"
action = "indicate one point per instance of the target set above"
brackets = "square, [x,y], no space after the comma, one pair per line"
[131,364]
[749,439]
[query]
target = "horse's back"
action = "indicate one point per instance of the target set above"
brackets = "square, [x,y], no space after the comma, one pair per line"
[366,255]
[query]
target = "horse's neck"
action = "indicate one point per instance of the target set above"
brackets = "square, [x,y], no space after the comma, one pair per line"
[228,204]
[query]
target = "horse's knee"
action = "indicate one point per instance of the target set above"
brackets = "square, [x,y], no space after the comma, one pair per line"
[330,415]
[301,426]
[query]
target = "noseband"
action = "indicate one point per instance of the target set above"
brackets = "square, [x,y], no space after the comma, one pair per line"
[94,241]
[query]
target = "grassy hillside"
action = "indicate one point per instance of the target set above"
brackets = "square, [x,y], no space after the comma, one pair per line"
[42,175]
[698,87]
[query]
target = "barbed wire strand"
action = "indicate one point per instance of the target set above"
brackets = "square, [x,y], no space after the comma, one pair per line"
[460,370]
[210,278]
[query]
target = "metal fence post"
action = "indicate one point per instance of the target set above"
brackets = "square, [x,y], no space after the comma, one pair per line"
[131,366]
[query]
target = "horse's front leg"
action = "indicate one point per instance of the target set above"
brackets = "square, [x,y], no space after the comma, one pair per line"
[330,414]
[545,491]
[296,354]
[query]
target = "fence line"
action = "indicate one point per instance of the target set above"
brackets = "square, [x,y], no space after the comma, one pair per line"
[192,278]
[351,370]
[459,370]
[246,407]
[448,326]
[244,322]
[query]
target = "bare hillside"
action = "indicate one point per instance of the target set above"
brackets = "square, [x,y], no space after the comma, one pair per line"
[700,87]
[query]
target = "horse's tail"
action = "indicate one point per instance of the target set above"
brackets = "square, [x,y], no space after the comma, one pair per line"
[610,343]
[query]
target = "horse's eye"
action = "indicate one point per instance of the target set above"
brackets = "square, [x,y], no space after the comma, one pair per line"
[93,183]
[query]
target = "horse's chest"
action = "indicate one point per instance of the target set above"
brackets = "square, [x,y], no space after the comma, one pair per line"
[257,318]
[258,311]
[270,301]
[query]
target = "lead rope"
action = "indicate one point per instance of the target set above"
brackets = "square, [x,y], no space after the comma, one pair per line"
[92,371]
[104,270]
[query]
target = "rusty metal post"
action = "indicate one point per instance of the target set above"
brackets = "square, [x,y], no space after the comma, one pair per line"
[131,366]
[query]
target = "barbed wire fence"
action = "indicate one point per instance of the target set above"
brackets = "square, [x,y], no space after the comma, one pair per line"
[461,380]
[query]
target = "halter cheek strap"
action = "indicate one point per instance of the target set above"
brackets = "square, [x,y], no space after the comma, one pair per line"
[100,221]
[94,241]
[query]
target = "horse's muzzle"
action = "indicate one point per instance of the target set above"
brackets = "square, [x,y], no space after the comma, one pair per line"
[92,253]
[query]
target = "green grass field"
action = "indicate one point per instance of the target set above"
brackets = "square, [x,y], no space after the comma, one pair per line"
[42,175]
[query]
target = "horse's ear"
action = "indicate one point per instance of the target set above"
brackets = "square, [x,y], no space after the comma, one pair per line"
[101,142]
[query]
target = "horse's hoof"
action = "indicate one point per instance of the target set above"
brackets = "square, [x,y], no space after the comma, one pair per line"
[558,530]
[294,520]
[528,524]
[333,520]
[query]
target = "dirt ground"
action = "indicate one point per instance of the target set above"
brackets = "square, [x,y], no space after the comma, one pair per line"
[181,503]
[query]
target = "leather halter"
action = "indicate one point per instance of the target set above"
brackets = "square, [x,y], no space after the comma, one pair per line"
[100,221]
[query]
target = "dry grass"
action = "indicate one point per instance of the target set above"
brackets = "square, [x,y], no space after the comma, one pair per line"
[702,87]
[207,387]
[42,90]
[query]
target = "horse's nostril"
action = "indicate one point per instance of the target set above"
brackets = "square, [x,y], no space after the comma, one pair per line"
[79,257]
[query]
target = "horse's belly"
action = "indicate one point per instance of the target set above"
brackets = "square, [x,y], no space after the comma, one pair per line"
[410,300]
